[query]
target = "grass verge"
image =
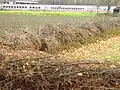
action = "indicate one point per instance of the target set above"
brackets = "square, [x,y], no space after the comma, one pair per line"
[105,46]
[91,40]
[48,13]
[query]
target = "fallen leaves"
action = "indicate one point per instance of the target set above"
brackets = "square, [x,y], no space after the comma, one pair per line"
[97,51]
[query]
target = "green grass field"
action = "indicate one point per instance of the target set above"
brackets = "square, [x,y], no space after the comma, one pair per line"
[48,13]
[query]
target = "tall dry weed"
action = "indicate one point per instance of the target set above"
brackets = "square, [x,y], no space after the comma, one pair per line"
[32,35]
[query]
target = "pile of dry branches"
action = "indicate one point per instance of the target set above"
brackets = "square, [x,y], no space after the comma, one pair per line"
[49,37]
[51,73]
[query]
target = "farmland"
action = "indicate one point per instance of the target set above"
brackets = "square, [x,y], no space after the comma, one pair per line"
[59,52]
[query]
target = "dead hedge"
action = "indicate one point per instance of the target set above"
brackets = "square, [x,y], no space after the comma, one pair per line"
[51,73]
[49,37]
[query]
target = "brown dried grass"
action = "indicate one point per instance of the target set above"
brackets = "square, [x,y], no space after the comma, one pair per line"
[52,37]
[24,67]
[101,50]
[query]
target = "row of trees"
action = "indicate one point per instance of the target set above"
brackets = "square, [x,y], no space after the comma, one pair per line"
[105,2]
[77,2]
[98,3]
[73,2]
[108,3]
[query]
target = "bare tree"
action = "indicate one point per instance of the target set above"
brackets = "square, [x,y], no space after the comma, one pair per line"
[118,3]
[75,2]
[98,3]
[106,2]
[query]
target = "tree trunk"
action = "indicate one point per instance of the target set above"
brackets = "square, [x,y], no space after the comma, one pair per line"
[98,10]
[108,9]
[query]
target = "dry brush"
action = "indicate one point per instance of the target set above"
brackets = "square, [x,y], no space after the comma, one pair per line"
[23,67]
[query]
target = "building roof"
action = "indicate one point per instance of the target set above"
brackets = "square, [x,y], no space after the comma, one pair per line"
[26,1]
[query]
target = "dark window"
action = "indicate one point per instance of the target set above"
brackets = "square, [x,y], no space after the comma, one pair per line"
[104,9]
[6,2]
[116,10]
[17,3]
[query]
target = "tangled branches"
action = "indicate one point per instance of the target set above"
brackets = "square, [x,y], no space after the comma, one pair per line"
[51,73]
[52,37]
